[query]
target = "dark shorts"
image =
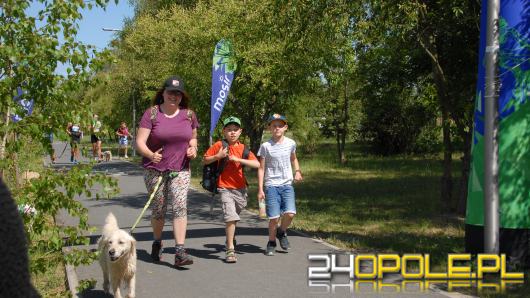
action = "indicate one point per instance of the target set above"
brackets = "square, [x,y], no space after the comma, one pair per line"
[74,141]
[94,139]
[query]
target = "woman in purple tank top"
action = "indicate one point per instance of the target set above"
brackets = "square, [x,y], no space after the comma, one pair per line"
[167,140]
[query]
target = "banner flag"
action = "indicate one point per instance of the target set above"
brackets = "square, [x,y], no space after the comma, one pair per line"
[223,69]
[27,105]
[513,122]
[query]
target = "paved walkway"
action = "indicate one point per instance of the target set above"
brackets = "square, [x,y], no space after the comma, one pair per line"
[254,275]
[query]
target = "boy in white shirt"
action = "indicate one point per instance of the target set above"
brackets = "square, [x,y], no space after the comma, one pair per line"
[275,178]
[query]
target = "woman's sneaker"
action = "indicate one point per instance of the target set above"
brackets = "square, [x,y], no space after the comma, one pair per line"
[156,251]
[182,258]
[271,247]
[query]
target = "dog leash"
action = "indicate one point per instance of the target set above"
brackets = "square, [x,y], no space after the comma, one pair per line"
[65,145]
[170,175]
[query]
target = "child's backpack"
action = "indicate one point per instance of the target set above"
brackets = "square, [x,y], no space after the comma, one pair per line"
[211,172]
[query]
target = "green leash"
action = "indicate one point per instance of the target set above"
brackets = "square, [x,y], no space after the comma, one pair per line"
[170,175]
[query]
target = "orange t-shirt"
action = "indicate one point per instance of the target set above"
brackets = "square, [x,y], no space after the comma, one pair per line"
[232,175]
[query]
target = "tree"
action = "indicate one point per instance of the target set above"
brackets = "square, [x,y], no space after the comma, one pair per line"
[31,48]
[440,28]
[279,49]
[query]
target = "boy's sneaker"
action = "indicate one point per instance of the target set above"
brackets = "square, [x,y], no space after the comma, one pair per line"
[182,258]
[156,251]
[271,247]
[126,157]
[282,237]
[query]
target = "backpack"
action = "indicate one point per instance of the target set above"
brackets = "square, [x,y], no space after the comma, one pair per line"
[212,171]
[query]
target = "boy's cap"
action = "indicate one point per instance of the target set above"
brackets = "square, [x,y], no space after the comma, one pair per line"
[231,119]
[175,83]
[277,117]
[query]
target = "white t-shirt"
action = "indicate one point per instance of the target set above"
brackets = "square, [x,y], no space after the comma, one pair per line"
[277,157]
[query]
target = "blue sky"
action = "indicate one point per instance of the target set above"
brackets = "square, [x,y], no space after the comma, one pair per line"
[90,27]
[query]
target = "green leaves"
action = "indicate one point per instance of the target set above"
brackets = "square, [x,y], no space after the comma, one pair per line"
[279,47]
[30,52]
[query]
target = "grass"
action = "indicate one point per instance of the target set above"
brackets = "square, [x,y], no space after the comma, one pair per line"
[52,283]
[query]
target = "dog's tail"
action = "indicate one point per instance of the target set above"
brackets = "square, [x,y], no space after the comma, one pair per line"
[111,224]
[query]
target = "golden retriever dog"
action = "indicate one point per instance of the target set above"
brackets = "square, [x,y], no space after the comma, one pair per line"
[107,155]
[117,257]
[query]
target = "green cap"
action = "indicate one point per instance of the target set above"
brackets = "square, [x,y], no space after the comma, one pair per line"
[231,119]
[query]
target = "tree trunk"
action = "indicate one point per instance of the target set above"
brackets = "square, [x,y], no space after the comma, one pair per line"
[345,120]
[342,148]
[447,180]
[337,139]
[4,143]
[466,166]
[255,135]
[427,41]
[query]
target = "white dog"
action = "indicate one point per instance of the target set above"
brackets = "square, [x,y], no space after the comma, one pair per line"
[117,257]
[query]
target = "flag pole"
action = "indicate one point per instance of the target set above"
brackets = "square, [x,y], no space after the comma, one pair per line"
[491,155]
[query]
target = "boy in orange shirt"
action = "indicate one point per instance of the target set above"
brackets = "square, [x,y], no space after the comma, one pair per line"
[232,185]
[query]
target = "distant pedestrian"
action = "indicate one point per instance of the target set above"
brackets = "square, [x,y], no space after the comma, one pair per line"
[232,185]
[167,139]
[95,138]
[75,133]
[123,138]
[275,178]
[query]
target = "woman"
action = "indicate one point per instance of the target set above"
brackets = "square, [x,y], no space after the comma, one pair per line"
[167,140]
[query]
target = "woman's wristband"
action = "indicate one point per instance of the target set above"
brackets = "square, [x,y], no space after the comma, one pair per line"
[298,171]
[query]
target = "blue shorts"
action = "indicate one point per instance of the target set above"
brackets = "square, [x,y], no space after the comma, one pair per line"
[123,141]
[279,200]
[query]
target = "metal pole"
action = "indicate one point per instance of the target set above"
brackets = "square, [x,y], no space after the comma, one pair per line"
[491,189]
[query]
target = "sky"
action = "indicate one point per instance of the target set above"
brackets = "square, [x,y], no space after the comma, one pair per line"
[94,20]
[90,28]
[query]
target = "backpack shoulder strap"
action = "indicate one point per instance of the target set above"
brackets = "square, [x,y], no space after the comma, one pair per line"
[154,113]
[246,151]
[222,162]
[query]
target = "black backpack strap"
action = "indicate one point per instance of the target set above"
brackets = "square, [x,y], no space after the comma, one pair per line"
[222,162]
[246,153]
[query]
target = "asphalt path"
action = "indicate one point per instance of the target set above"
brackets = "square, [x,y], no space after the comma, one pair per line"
[254,275]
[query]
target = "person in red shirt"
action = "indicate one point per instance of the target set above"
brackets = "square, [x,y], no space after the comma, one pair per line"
[232,185]
[123,138]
